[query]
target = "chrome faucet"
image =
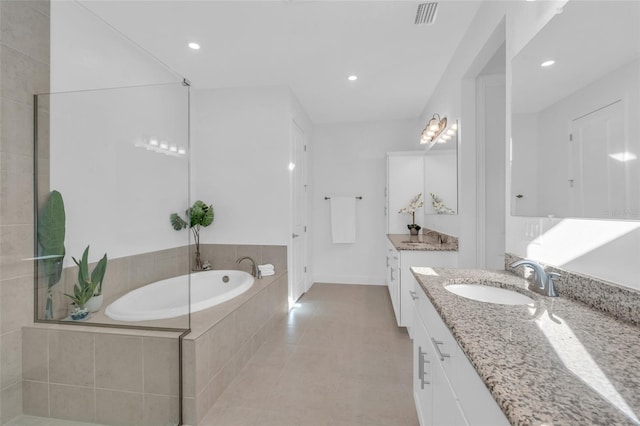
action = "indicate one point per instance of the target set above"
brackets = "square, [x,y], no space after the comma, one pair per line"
[545,284]
[255,271]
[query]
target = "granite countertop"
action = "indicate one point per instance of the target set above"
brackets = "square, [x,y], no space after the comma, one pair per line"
[555,362]
[428,241]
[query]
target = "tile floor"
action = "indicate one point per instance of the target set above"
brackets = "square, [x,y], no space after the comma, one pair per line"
[340,361]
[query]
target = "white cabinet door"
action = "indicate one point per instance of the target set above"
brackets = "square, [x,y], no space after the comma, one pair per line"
[422,375]
[409,258]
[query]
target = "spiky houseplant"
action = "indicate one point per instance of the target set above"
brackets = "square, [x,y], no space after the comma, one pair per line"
[88,285]
[199,215]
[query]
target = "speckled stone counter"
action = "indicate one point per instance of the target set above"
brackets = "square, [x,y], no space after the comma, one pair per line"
[554,362]
[429,241]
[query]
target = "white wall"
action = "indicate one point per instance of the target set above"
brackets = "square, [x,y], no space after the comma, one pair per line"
[240,163]
[440,168]
[350,159]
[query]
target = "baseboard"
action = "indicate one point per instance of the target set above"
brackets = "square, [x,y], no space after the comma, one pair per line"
[349,279]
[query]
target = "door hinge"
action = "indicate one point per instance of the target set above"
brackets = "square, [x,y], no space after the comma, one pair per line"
[305,269]
[305,229]
[305,148]
[571,137]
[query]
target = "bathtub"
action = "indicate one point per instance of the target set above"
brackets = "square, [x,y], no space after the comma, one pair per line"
[169,298]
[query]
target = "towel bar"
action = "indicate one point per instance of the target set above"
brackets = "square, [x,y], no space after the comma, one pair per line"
[328,198]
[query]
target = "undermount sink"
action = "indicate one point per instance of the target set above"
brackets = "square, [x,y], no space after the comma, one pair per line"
[485,293]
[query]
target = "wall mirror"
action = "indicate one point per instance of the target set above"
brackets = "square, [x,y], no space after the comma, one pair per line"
[441,175]
[575,141]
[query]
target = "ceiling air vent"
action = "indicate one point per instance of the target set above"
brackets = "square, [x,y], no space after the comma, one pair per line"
[426,13]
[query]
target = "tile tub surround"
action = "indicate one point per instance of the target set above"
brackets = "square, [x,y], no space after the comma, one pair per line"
[559,362]
[131,272]
[141,367]
[225,338]
[621,302]
[429,240]
[93,375]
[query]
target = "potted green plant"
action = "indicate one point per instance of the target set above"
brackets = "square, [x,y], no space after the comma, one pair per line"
[87,293]
[199,215]
[415,204]
[51,251]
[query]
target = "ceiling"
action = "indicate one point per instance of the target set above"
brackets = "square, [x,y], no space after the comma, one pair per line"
[310,46]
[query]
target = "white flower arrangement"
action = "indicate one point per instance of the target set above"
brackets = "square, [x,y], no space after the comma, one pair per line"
[415,203]
[439,206]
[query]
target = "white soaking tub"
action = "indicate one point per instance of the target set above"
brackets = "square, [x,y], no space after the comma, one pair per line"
[170,298]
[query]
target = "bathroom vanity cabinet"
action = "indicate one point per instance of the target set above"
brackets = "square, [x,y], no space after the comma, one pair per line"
[399,278]
[446,388]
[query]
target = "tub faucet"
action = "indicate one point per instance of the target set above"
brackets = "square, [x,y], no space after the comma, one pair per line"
[545,284]
[255,271]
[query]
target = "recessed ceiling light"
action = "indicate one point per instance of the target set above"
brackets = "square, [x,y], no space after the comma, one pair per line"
[352,77]
[194,46]
[548,63]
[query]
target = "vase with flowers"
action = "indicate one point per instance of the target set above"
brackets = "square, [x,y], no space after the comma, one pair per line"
[415,203]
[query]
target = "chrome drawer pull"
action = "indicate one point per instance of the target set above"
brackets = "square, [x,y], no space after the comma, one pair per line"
[413,294]
[435,345]
[421,362]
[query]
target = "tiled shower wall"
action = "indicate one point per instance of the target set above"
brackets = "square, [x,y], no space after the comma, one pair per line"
[128,273]
[24,71]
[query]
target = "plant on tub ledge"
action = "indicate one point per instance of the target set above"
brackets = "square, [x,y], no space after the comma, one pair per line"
[87,293]
[415,204]
[199,215]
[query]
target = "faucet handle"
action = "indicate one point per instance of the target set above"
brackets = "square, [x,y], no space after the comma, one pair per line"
[551,288]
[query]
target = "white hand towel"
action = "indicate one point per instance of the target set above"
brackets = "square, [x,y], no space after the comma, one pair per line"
[267,273]
[343,219]
[267,269]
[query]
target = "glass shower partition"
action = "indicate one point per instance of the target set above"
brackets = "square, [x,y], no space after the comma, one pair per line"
[111,167]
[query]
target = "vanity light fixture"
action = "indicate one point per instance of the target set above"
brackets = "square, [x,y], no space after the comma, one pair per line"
[436,130]
[547,63]
[352,78]
[194,46]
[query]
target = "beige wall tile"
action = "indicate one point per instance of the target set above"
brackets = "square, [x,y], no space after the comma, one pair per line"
[253,251]
[221,345]
[17,303]
[11,356]
[17,127]
[72,402]
[189,412]
[195,362]
[160,410]
[17,245]
[116,279]
[275,255]
[142,270]
[203,403]
[11,402]
[42,6]
[25,29]
[224,256]
[118,362]
[35,354]
[242,357]
[160,358]
[71,357]
[118,408]
[17,189]
[22,76]
[35,398]
[222,380]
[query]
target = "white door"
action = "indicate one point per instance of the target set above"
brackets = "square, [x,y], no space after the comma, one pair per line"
[298,214]
[595,173]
